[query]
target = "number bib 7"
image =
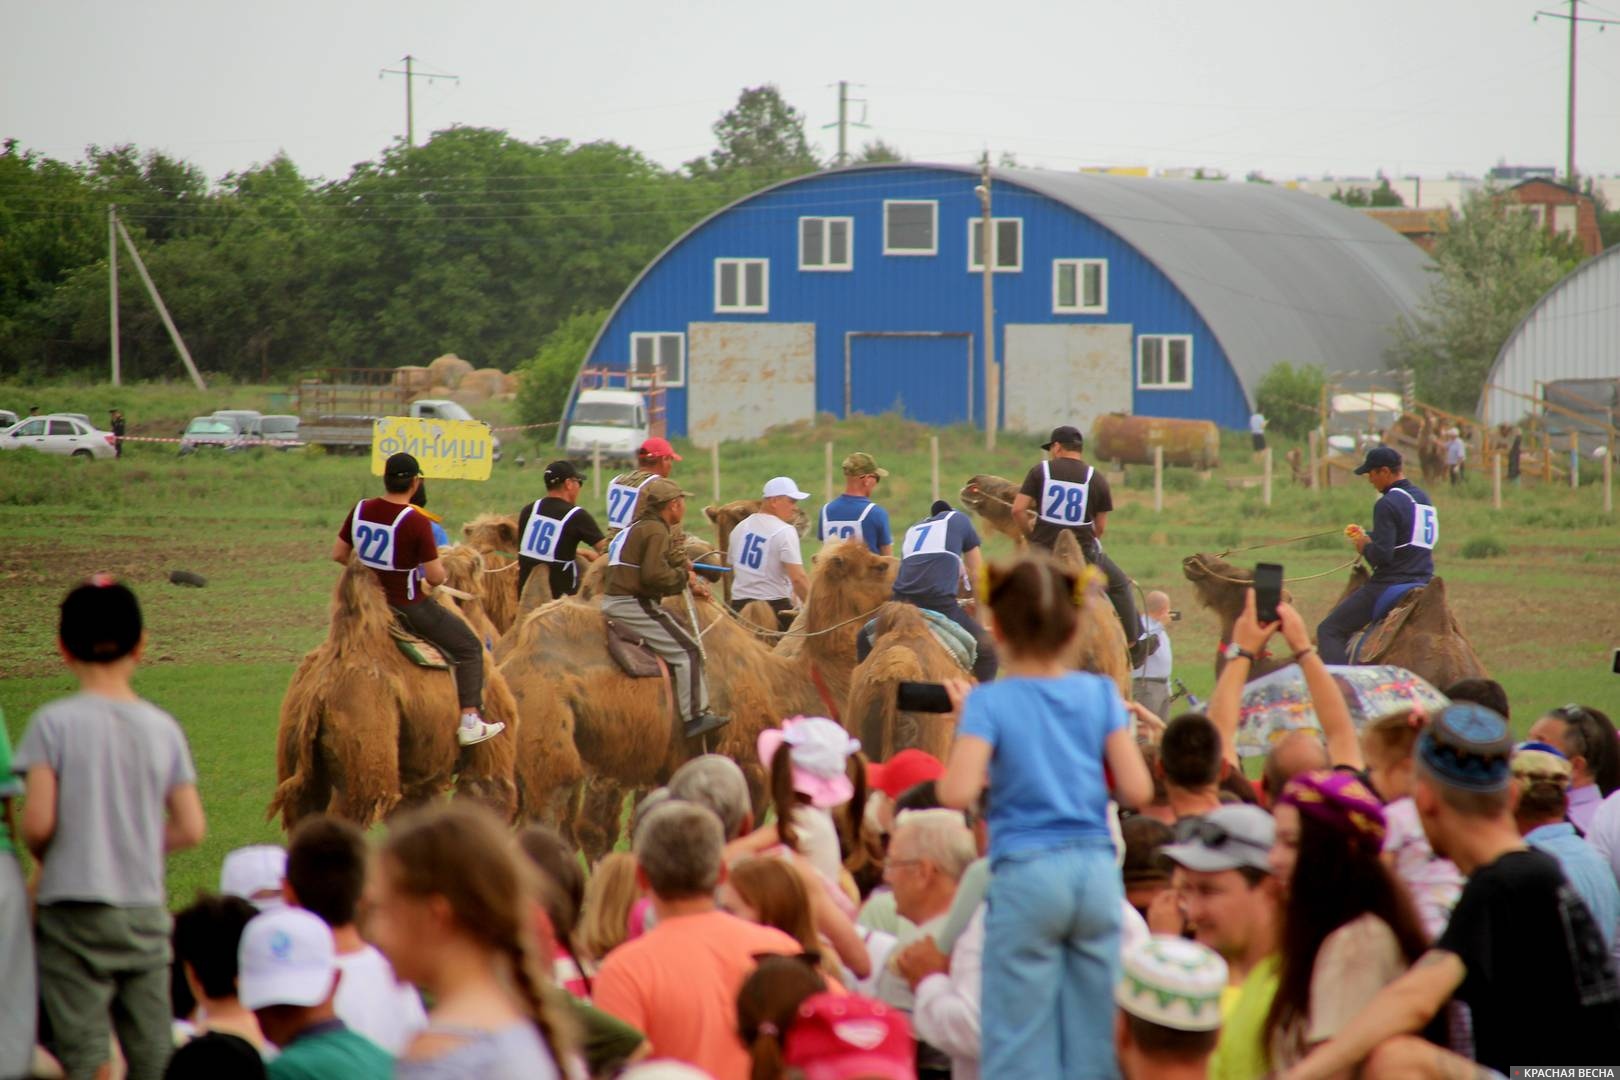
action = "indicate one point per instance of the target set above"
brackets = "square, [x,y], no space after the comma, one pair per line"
[621,504]
[1063,502]
[540,539]
[928,538]
[374,544]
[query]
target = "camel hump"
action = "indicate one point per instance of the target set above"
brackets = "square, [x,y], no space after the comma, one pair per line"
[712,512]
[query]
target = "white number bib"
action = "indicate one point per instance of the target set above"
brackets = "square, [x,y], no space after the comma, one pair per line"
[1425,523]
[621,504]
[928,538]
[1063,502]
[541,537]
[616,549]
[374,544]
[833,530]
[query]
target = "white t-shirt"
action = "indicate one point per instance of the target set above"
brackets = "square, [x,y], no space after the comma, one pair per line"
[818,841]
[1158,665]
[1257,424]
[376,1004]
[761,549]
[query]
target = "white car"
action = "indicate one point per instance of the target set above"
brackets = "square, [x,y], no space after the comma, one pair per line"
[8,419]
[612,423]
[59,434]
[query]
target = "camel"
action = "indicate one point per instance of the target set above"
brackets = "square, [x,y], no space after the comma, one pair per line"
[1427,639]
[991,497]
[1419,436]
[622,729]
[364,732]
[494,536]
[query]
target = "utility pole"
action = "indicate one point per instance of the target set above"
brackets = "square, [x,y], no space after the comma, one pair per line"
[987,247]
[844,123]
[1574,18]
[411,76]
[163,310]
[112,290]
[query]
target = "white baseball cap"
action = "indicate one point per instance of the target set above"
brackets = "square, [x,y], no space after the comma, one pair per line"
[1173,983]
[255,874]
[286,957]
[784,485]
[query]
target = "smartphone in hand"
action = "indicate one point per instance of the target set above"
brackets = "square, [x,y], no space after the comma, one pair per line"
[929,697]
[1268,583]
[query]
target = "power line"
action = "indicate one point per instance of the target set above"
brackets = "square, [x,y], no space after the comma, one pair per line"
[1574,18]
[410,79]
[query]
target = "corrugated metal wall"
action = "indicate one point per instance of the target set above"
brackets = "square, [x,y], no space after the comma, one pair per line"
[1573,333]
[906,293]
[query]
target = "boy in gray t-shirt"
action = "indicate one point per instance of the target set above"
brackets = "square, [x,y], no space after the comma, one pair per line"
[110,791]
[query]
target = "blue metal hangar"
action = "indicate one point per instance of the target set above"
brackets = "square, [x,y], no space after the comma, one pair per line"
[859,290]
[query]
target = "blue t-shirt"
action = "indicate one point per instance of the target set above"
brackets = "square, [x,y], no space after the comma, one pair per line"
[1046,767]
[931,557]
[842,517]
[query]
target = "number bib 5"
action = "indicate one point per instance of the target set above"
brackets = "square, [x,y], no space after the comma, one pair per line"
[621,504]
[541,537]
[1063,502]
[1425,524]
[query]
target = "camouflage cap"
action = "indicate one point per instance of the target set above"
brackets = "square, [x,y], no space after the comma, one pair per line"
[660,491]
[861,464]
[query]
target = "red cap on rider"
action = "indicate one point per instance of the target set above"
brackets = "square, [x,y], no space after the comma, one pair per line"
[658,448]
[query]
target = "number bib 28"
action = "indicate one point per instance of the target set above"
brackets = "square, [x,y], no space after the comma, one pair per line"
[1063,502]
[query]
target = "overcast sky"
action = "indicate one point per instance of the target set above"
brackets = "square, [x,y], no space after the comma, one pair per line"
[1291,89]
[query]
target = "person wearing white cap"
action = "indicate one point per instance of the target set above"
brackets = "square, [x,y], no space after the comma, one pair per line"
[255,873]
[287,974]
[1169,1019]
[765,560]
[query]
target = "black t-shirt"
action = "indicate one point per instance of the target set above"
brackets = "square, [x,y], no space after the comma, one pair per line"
[1540,984]
[581,529]
[1063,502]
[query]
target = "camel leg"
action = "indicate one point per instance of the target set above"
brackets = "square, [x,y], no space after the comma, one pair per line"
[313,796]
[597,825]
[363,766]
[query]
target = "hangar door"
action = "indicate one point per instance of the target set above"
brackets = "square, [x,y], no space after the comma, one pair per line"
[743,378]
[1065,374]
[927,377]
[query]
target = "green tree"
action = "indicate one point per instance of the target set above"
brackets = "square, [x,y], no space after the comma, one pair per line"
[1380,196]
[548,376]
[1290,398]
[761,140]
[878,152]
[1490,267]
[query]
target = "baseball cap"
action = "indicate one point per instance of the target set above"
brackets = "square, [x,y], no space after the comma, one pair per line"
[1379,457]
[1468,746]
[1226,838]
[1172,982]
[286,957]
[660,491]
[255,873]
[860,464]
[906,769]
[819,750]
[783,485]
[657,448]
[1067,435]
[1539,762]
[842,1038]
[558,471]
[100,621]
[401,464]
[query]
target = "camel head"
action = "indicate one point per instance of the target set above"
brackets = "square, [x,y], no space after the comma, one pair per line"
[492,533]
[1219,584]
[848,580]
[989,496]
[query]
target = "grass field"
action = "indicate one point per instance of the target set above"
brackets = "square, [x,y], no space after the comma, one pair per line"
[1544,613]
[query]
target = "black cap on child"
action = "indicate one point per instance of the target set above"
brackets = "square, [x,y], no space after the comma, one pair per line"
[101,621]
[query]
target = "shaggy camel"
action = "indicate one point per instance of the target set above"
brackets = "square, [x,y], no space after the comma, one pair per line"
[1429,643]
[494,536]
[365,732]
[991,497]
[622,730]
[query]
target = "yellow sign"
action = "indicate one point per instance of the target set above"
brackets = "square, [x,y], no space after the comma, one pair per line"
[446,449]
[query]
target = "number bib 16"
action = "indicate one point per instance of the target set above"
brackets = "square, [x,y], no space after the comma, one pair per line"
[540,539]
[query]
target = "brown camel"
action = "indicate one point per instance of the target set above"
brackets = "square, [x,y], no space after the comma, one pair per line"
[991,497]
[1426,638]
[365,732]
[1099,644]
[622,729]
[494,536]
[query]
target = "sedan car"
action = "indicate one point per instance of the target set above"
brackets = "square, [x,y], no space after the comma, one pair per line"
[210,432]
[280,430]
[58,434]
[8,419]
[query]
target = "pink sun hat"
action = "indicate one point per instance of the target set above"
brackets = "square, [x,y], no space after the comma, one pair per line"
[820,750]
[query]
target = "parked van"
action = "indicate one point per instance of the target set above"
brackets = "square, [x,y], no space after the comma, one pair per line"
[611,422]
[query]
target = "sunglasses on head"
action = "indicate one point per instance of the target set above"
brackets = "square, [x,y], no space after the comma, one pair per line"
[1210,834]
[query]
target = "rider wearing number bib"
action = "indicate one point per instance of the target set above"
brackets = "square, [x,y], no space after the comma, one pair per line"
[854,513]
[556,529]
[1400,549]
[764,552]
[1065,494]
[655,457]
[395,542]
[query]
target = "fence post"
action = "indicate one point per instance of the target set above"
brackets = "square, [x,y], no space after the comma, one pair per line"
[1266,481]
[1574,460]
[1496,481]
[1316,481]
[1546,457]
[714,468]
[1608,477]
[596,472]
[933,457]
[1158,479]
[827,471]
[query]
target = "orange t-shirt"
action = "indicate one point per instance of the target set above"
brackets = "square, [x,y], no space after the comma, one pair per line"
[678,983]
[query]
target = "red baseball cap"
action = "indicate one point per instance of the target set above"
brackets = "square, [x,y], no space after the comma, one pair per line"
[904,770]
[657,448]
[841,1038]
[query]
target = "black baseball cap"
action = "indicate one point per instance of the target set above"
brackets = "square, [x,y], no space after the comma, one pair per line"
[1379,457]
[401,465]
[558,471]
[1067,435]
[101,621]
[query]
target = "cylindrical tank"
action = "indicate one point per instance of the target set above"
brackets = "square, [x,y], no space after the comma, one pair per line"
[1131,439]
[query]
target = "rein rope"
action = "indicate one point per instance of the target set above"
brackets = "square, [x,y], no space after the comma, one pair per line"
[1303,577]
[1279,543]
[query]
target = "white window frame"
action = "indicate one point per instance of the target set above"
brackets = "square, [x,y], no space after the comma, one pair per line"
[1566,219]
[933,206]
[995,228]
[744,308]
[638,379]
[1166,339]
[826,245]
[1079,307]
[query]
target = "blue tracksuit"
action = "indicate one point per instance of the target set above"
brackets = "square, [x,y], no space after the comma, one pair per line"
[1400,548]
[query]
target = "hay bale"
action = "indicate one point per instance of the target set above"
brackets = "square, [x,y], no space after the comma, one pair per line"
[449,370]
[486,381]
[435,391]
[509,384]
[413,377]
[469,395]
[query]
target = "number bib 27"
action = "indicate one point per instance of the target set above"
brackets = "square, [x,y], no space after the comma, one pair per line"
[621,504]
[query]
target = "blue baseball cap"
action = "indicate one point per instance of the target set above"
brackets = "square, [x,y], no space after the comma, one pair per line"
[1468,746]
[1379,457]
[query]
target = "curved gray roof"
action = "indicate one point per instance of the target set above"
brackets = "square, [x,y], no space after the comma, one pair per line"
[1277,274]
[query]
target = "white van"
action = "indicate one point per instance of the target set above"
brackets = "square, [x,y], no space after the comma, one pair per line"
[613,422]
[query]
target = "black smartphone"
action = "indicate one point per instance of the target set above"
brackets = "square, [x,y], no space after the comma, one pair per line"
[922,697]
[1268,583]
[1617,661]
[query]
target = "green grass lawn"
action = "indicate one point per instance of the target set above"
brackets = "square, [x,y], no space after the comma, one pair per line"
[1543,614]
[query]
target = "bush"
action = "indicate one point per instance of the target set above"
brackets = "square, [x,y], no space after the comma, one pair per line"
[546,379]
[1290,398]
[1483,547]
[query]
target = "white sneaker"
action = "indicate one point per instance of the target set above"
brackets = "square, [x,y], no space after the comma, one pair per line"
[474,729]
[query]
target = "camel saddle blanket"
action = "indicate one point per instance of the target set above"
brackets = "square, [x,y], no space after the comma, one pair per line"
[633,655]
[955,640]
[418,650]
[1375,641]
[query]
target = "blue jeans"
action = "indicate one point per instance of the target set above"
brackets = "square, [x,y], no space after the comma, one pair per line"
[1051,958]
[1333,633]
